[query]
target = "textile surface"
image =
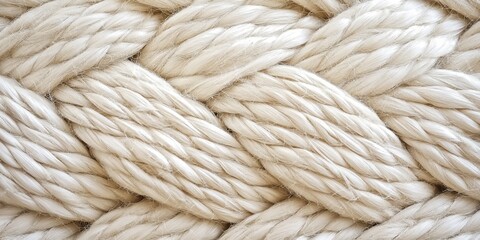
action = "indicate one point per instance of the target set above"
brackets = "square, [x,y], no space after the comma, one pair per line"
[239,119]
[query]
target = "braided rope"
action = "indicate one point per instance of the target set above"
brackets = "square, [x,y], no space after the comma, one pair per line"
[243,119]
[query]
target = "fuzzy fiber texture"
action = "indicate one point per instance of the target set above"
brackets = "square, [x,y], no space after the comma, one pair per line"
[239,119]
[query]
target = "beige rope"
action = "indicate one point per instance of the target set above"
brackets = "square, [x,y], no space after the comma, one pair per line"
[295,219]
[158,143]
[17,223]
[149,220]
[44,167]
[302,119]
[445,216]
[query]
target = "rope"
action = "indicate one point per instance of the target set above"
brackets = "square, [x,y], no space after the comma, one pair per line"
[243,119]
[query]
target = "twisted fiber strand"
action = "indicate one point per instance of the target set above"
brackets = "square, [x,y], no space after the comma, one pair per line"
[436,147]
[466,57]
[17,223]
[468,8]
[69,33]
[447,215]
[154,141]
[11,9]
[247,38]
[204,87]
[399,40]
[295,219]
[321,143]
[440,107]
[167,5]
[44,167]
[329,8]
[149,220]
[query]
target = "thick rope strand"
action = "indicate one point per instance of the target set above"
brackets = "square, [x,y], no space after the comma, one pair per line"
[44,167]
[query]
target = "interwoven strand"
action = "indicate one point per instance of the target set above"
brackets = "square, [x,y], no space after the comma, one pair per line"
[17,223]
[243,119]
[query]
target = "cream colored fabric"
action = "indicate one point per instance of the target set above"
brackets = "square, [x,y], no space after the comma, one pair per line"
[243,119]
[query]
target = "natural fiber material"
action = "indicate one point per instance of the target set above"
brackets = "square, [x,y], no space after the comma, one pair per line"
[44,167]
[295,218]
[17,223]
[244,119]
[149,220]
[446,215]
